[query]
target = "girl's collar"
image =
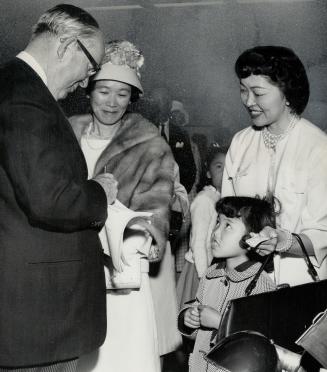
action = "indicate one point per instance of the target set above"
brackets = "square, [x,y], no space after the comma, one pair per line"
[210,188]
[241,272]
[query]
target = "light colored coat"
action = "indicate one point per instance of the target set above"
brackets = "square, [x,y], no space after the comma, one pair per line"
[301,188]
[143,165]
[203,221]
[216,288]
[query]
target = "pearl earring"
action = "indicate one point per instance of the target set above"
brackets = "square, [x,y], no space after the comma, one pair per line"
[287,103]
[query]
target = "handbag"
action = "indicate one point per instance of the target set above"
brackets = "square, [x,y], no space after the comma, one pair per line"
[282,315]
[124,243]
[251,351]
[314,339]
[128,278]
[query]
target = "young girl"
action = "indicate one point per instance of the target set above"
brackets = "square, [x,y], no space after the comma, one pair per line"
[231,276]
[203,220]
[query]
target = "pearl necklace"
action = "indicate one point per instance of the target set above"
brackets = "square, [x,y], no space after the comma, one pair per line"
[270,140]
[104,139]
[89,137]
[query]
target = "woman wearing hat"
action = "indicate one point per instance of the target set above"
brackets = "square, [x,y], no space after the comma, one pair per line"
[131,148]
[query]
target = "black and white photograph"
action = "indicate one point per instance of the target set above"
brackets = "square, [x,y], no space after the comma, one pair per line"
[163,186]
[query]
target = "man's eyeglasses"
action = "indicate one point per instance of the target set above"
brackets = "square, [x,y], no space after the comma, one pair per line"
[95,65]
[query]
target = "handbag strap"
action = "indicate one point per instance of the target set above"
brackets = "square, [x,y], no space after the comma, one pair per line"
[311,269]
[253,283]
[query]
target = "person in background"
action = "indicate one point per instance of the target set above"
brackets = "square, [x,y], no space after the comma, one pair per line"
[157,108]
[281,155]
[230,277]
[52,286]
[176,136]
[203,221]
[179,117]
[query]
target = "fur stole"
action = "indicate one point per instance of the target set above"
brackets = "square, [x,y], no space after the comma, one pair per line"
[143,164]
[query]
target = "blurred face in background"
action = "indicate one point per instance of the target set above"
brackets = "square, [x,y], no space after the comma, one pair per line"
[161,100]
[177,118]
[216,170]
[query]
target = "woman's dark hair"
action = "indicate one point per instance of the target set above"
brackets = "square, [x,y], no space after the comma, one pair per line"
[255,213]
[135,93]
[213,150]
[284,69]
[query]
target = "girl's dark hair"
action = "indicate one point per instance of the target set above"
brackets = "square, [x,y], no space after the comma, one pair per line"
[212,152]
[283,67]
[255,213]
[135,93]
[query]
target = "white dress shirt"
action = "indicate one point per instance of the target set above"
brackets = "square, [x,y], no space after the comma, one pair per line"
[165,126]
[31,61]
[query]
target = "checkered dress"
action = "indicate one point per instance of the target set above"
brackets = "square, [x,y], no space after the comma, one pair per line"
[216,288]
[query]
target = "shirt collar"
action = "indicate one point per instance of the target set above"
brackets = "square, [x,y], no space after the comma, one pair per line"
[165,126]
[241,272]
[31,61]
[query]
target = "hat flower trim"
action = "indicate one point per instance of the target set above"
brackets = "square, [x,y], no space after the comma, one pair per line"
[124,53]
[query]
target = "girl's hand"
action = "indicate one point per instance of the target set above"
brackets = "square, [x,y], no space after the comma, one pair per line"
[209,317]
[192,318]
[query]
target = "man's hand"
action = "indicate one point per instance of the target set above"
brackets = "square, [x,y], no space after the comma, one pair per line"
[109,185]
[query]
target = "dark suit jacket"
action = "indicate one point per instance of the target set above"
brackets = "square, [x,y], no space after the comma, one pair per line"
[183,155]
[52,289]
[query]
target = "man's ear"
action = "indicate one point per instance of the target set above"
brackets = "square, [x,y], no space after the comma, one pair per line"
[208,174]
[64,45]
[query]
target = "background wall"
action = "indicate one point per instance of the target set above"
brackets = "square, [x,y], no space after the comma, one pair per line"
[191,46]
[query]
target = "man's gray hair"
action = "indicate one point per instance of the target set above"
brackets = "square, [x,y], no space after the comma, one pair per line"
[66,21]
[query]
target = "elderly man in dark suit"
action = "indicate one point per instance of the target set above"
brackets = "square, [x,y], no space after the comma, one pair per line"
[52,288]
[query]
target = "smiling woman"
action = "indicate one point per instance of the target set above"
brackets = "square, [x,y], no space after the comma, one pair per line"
[281,155]
[109,103]
[131,148]
[112,139]
[265,102]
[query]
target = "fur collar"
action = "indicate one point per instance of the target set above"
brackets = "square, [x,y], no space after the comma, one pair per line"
[142,162]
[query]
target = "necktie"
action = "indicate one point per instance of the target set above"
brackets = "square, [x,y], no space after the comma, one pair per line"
[162,132]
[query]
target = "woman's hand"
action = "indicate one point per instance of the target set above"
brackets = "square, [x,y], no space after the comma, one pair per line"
[209,317]
[192,318]
[277,239]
